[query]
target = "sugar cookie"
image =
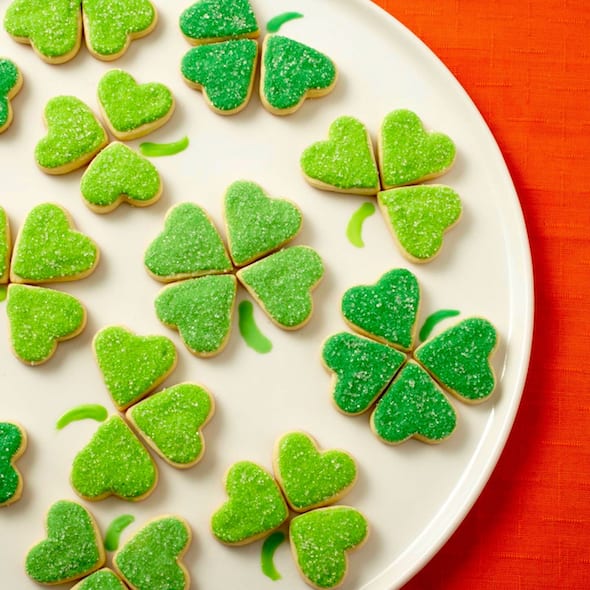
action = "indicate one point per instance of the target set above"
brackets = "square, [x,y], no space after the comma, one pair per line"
[13,443]
[5,247]
[11,81]
[103,579]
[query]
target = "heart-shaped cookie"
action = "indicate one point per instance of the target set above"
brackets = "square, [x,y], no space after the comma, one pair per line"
[256,223]
[171,421]
[72,549]
[418,217]
[224,72]
[119,174]
[114,463]
[48,250]
[110,25]
[408,154]
[132,110]
[320,540]
[189,246]
[459,359]
[5,247]
[362,370]
[282,284]
[11,81]
[74,136]
[310,478]
[53,29]
[39,319]
[201,310]
[254,508]
[152,558]
[292,72]
[104,579]
[345,162]
[387,310]
[413,406]
[132,366]
[13,442]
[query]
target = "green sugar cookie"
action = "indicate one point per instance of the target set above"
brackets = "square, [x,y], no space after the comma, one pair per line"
[132,366]
[73,547]
[152,558]
[13,443]
[292,72]
[133,110]
[171,420]
[413,406]
[53,29]
[224,72]
[11,81]
[114,463]
[39,319]
[418,217]
[48,250]
[111,25]
[74,136]
[104,579]
[189,246]
[320,540]
[345,162]
[201,310]
[257,224]
[310,478]
[5,247]
[282,284]
[208,21]
[408,154]
[255,505]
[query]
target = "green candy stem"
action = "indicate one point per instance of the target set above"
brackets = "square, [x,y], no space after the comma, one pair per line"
[355,225]
[270,545]
[275,23]
[114,530]
[84,412]
[250,332]
[3,291]
[156,150]
[433,319]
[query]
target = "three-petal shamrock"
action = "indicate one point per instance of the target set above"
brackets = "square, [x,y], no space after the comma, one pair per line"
[11,81]
[13,442]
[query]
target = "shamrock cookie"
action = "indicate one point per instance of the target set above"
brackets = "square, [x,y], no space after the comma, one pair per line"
[104,579]
[5,247]
[74,136]
[73,547]
[118,174]
[13,443]
[133,110]
[11,81]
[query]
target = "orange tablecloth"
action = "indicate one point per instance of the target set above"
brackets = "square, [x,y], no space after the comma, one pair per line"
[526,65]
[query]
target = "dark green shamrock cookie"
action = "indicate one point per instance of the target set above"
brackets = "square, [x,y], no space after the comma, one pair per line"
[13,442]
[11,81]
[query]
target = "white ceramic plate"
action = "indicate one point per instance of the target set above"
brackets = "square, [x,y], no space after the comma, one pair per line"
[414,495]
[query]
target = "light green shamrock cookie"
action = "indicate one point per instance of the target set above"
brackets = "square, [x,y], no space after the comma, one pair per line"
[133,110]
[255,505]
[39,319]
[345,162]
[310,478]
[114,463]
[257,224]
[5,247]
[152,558]
[132,366]
[48,250]
[11,81]
[408,154]
[320,540]
[103,579]
[171,420]
[72,549]
[13,443]
[74,136]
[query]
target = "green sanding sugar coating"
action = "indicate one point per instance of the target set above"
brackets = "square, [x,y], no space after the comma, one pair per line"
[132,365]
[362,367]
[74,133]
[9,77]
[109,23]
[71,549]
[171,420]
[103,579]
[39,318]
[189,246]
[250,332]
[224,71]
[255,506]
[4,245]
[413,406]
[458,358]
[113,463]
[282,283]
[270,545]
[84,412]
[149,561]
[433,319]
[355,225]
[409,154]
[201,310]
[119,171]
[114,530]
[275,23]
[319,540]
[345,161]
[210,20]
[256,223]
[156,150]
[11,442]
[291,70]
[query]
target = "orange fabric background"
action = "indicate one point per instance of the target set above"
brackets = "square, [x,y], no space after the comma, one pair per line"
[526,65]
